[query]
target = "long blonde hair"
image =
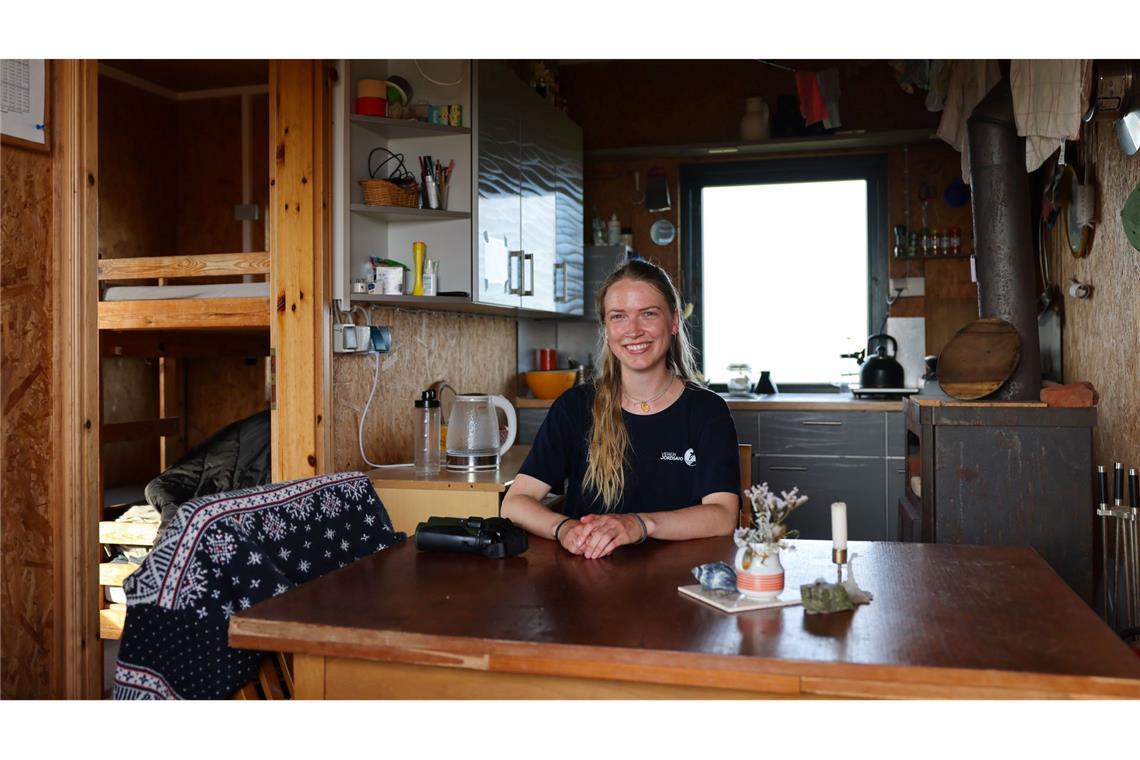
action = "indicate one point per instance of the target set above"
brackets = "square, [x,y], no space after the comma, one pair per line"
[609,438]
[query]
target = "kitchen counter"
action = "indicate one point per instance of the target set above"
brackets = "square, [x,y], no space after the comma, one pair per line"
[410,498]
[791,402]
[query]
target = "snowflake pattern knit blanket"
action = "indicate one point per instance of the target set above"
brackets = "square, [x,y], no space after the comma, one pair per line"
[220,555]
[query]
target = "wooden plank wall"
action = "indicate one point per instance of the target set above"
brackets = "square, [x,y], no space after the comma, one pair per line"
[472,353]
[1101,338]
[27,576]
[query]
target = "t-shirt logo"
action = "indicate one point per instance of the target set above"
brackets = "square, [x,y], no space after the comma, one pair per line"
[689,458]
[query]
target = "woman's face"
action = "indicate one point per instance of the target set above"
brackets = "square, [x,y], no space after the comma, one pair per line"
[639,326]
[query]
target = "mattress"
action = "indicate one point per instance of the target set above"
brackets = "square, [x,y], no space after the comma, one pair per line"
[181,292]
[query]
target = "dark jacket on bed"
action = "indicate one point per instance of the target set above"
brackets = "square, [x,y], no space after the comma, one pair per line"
[237,456]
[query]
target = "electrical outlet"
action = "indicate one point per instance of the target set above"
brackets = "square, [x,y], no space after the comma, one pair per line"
[910,286]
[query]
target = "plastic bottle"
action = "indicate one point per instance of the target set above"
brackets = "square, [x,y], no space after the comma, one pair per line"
[427,434]
[419,250]
[613,231]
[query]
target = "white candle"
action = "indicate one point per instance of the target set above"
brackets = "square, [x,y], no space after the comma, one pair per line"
[839,525]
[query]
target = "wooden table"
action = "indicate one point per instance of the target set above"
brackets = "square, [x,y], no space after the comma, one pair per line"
[947,621]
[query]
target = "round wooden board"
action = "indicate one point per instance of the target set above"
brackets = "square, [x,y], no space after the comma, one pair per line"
[979,359]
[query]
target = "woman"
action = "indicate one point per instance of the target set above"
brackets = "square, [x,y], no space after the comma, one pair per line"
[646,452]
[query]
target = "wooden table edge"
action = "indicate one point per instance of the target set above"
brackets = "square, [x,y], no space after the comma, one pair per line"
[751,674]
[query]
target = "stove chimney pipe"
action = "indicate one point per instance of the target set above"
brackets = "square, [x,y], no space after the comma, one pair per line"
[1002,238]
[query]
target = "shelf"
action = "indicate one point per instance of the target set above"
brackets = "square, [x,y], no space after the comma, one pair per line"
[406,127]
[807,144]
[932,257]
[456,304]
[402,214]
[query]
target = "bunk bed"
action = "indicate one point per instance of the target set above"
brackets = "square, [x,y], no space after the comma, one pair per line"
[178,318]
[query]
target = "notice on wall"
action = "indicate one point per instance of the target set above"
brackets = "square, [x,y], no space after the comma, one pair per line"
[22,95]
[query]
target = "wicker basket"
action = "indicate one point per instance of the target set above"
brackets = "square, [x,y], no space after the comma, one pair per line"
[400,189]
[381,192]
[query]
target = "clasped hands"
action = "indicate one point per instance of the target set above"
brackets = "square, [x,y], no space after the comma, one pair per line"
[596,536]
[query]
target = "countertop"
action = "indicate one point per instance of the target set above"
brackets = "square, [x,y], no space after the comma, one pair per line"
[788,402]
[485,480]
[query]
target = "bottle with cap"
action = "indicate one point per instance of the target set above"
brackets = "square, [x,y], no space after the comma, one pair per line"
[613,230]
[419,251]
[427,434]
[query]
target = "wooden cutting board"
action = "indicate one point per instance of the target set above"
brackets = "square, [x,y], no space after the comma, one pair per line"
[979,359]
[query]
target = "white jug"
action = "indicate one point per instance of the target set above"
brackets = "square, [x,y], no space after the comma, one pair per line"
[473,432]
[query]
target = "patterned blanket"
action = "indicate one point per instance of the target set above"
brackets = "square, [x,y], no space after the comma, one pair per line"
[220,555]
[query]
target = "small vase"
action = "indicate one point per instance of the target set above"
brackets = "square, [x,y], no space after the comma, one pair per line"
[759,575]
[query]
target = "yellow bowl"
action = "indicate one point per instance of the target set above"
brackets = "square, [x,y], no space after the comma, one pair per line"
[550,383]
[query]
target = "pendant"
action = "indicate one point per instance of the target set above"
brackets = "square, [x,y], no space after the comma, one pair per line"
[644,406]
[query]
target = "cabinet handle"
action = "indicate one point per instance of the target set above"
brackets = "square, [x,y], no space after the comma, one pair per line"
[527,290]
[820,424]
[562,295]
[787,468]
[511,287]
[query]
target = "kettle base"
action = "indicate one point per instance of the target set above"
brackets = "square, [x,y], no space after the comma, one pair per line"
[472,462]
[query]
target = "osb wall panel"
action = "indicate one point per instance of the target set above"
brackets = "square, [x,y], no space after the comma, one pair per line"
[1101,338]
[26,545]
[220,390]
[471,353]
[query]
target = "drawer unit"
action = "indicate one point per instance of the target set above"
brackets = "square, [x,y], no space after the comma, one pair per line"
[896,434]
[859,482]
[896,482]
[858,434]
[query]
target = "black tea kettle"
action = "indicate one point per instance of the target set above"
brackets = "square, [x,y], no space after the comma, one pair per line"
[881,369]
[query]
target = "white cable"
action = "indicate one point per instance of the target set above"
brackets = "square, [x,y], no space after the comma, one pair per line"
[436,81]
[364,415]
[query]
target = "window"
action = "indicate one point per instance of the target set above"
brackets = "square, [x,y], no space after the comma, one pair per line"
[779,259]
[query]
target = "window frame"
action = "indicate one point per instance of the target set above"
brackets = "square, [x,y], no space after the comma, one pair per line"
[695,177]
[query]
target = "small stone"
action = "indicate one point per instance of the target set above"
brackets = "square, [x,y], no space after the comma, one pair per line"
[716,576]
[825,597]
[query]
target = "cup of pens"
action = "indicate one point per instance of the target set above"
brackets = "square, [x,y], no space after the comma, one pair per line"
[435,181]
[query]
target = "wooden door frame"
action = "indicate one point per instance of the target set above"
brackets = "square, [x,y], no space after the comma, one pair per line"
[75,415]
[300,272]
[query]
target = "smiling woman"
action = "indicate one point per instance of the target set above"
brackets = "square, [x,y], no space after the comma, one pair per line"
[643,451]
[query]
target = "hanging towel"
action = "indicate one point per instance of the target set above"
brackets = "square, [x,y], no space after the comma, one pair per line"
[828,80]
[939,82]
[968,84]
[811,100]
[1049,97]
[223,553]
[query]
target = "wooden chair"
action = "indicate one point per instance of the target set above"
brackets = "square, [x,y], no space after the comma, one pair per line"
[274,679]
[745,452]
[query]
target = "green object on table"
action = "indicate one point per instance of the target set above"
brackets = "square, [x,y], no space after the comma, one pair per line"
[825,597]
[1130,218]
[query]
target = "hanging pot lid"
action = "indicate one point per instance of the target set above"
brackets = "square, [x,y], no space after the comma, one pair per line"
[1130,217]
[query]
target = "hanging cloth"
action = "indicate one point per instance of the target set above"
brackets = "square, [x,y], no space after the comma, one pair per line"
[828,81]
[1049,97]
[968,84]
[812,107]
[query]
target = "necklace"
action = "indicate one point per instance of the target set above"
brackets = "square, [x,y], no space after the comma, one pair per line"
[644,405]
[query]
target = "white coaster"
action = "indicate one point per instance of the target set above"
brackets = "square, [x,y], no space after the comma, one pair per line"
[737,602]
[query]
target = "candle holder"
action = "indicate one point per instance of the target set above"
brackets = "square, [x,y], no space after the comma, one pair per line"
[839,557]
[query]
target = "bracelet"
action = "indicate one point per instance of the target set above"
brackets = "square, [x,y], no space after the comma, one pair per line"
[644,529]
[558,527]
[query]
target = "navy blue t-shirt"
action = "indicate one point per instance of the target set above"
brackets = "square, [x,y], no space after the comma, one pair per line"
[679,455]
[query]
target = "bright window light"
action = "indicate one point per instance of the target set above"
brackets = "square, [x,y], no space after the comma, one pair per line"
[785,279]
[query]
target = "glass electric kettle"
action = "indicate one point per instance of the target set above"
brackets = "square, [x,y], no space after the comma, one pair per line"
[473,432]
